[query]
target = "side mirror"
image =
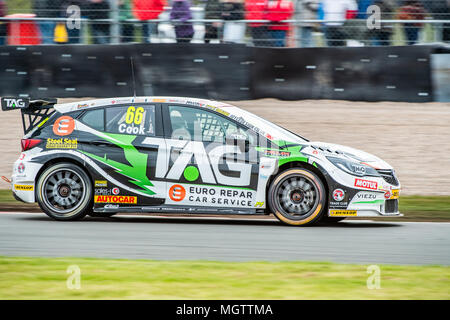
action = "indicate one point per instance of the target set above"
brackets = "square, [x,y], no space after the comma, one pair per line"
[239,140]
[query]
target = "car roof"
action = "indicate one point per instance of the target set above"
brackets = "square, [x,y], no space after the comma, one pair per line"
[87,104]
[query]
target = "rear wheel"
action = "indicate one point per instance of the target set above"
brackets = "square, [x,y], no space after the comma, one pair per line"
[297,197]
[64,192]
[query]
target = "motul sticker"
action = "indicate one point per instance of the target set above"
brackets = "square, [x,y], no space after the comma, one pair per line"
[115,199]
[367,184]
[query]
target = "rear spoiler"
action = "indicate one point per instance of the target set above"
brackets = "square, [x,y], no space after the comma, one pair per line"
[34,112]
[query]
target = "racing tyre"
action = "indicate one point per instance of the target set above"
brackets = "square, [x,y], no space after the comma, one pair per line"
[297,197]
[64,192]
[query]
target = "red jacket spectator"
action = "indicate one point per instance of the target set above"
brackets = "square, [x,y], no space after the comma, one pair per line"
[255,10]
[147,9]
[279,10]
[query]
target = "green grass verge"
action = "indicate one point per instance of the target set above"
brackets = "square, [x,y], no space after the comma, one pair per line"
[46,278]
[415,208]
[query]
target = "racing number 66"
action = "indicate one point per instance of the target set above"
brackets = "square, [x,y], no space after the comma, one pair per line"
[134,115]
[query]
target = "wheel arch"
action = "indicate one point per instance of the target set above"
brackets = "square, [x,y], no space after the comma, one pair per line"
[64,158]
[298,164]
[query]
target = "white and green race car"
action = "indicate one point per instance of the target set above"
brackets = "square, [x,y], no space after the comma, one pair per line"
[185,155]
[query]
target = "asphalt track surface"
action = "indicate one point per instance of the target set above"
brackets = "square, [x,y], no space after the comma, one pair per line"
[224,239]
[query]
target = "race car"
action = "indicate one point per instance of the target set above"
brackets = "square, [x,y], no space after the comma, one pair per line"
[183,155]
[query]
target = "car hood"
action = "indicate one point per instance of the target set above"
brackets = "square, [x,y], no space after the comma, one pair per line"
[339,151]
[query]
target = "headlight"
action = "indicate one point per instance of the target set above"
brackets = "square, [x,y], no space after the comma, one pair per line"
[353,168]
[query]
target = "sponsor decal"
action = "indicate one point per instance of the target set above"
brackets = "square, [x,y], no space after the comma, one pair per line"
[217,110]
[101,183]
[11,103]
[338,195]
[395,194]
[315,152]
[62,143]
[111,206]
[207,164]
[23,187]
[259,204]
[199,195]
[367,184]
[177,192]
[22,156]
[21,168]
[342,213]
[63,126]
[107,192]
[387,195]
[159,100]
[359,170]
[115,199]
[81,106]
[365,196]
[277,153]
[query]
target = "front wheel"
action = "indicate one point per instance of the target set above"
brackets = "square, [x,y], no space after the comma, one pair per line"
[64,192]
[297,197]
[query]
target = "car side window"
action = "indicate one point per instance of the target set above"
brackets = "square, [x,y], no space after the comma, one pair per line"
[201,125]
[94,119]
[135,120]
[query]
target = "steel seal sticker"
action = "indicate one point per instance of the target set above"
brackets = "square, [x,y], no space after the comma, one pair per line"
[62,143]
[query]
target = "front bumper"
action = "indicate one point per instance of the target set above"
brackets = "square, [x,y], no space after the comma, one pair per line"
[351,196]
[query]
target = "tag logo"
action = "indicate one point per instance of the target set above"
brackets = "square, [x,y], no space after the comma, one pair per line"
[63,126]
[13,103]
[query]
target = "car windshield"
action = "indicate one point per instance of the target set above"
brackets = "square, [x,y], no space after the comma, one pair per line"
[276,131]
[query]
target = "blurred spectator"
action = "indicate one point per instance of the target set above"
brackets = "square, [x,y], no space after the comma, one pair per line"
[256,10]
[233,10]
[440,10]
[337,11]
[126,27]
[146,10]
[73,29]
[47,9]
[96,10]
[212,11]
[362,8]
[306,10]
[278,10]
[382,36]
[411,10]
[3,25]
[180,13]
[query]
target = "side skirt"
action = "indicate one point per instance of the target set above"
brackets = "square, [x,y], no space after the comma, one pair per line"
[181,209]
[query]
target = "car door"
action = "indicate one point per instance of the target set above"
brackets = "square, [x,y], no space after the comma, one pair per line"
[126,147]
[206,165]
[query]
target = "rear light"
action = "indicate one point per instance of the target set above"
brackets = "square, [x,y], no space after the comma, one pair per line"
[28,144]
